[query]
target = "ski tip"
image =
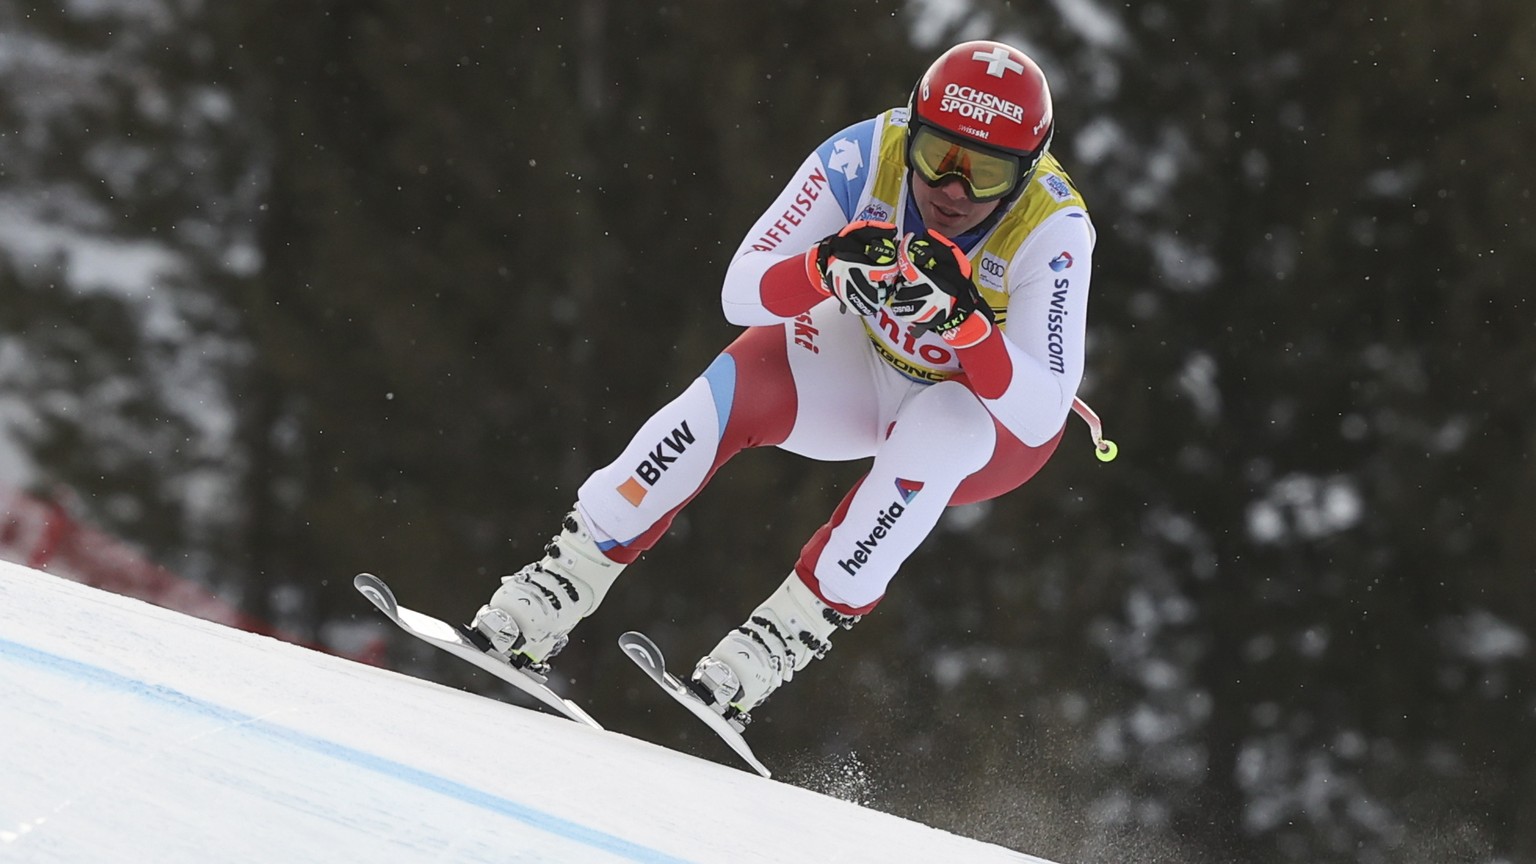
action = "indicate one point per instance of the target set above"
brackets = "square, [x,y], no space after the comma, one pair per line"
[643,651]
[376,591]
[648,657]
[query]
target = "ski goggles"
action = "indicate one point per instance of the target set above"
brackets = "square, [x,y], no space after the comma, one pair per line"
[987,175]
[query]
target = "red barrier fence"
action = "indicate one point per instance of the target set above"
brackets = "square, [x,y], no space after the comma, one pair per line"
[44,536]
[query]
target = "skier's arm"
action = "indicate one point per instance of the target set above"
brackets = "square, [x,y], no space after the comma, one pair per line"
[767,281]
[1028,376]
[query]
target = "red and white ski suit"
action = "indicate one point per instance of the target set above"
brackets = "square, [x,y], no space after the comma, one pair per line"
[944,427]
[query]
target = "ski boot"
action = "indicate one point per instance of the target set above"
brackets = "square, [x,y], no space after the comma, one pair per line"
[530,617]
[781,637]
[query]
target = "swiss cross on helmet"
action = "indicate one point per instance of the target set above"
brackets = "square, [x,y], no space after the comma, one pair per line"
[982,112]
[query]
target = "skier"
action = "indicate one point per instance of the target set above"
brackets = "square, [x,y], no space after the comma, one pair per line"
[876,289]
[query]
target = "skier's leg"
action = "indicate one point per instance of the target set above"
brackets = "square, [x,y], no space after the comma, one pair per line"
[911,482]
[772,386]
[748,397]
[624,507]
[944,448]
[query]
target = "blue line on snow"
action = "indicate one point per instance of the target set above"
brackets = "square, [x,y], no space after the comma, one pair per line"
[377,764]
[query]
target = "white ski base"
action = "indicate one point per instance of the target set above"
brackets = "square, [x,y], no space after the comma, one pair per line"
[443,635]
[647,656]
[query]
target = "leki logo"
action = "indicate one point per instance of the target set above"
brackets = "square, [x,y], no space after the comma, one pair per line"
[1061,262]
[655,464]
[906,490]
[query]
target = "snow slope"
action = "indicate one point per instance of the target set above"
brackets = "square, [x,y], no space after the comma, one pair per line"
[131,733]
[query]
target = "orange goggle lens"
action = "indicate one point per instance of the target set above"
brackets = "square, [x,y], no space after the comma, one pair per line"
[986,175]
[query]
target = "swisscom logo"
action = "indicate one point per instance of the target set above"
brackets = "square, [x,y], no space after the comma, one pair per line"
[1061,262]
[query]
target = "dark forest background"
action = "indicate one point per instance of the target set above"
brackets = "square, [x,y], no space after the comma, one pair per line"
[290,290]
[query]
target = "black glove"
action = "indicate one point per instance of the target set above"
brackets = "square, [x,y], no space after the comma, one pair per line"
[937,292]
[857,265]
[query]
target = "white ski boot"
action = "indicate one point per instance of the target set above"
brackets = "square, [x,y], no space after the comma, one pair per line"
[530,617]
[780,638]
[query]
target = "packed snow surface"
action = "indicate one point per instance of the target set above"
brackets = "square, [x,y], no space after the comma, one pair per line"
[131,733]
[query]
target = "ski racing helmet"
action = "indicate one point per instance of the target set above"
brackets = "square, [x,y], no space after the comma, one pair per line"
[982,112]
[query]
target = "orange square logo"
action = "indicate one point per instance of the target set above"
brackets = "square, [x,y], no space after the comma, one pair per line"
[632,491]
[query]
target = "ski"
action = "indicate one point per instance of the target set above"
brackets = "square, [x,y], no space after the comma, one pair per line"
[452,639]
[647,656]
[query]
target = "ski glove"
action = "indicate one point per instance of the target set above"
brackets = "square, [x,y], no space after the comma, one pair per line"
[937,292]
[857,265]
